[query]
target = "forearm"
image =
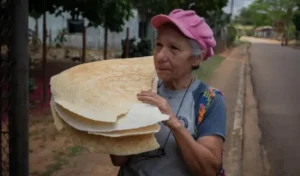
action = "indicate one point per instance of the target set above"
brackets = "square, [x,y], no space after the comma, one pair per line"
[197,157]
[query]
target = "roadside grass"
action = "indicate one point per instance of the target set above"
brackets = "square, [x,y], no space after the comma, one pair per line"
[208,67]
[240,41]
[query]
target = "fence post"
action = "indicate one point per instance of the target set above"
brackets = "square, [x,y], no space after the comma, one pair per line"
[105,43]
[83,45]
[18,113]
[44,60]
[127,43]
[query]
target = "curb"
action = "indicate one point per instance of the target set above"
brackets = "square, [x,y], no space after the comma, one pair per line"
[235,152]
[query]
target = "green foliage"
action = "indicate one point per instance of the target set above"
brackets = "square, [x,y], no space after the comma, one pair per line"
[277,13]
[60,39]
[218,20]
[110,14]
[250,16]
[32,85]
[149,8]
[211,10]
[142,48]
[37,7]
[208,67]
[250,33]
[296,19]
[231,34]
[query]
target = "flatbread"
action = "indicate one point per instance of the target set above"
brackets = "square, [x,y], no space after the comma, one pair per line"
[135,132]
[103,90]
[155,83]
[99,144]
[139,120]
[119,133]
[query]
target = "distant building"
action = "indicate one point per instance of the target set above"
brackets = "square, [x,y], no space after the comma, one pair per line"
[264,32]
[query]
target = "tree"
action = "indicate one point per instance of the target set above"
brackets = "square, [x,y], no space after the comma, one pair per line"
[153,7]
[248,16]
[277,13]
[110,14]
[296,21]
[36,10]
[147,9]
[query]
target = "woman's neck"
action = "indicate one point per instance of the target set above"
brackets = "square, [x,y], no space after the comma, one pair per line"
[182,83]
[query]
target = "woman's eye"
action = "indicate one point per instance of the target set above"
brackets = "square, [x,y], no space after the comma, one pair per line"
[174,48]
[158,44]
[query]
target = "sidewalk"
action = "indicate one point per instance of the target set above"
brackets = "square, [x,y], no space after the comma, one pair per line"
[230,79]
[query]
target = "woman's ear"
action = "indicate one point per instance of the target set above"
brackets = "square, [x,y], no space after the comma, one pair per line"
[197,61]
[203,54]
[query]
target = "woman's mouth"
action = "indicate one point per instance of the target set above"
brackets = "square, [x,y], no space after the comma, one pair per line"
[162,69]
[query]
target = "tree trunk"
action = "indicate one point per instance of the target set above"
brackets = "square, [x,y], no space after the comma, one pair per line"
[105,43]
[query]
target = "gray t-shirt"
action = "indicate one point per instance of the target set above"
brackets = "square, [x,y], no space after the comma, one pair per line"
[171,163]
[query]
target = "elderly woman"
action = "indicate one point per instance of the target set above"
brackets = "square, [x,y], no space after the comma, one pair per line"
[191,141]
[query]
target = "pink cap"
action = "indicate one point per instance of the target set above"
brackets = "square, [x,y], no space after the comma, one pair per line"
[191,25]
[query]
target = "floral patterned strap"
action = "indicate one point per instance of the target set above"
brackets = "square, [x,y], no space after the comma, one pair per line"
[206,99]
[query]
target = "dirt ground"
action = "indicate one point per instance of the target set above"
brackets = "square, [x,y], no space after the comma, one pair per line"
[51,154]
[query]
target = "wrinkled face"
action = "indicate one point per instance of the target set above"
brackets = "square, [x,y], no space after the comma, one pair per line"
[173,54]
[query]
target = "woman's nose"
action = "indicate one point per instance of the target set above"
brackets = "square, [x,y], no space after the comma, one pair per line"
[162,55]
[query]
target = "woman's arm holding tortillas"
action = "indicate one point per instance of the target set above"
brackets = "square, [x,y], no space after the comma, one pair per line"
[204,156]
[119,160]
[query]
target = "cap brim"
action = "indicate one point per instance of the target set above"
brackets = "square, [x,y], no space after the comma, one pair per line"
[159,20]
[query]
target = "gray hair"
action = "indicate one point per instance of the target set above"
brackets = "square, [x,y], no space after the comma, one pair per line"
[196,51]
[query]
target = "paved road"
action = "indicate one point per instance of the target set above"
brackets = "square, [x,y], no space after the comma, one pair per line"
[276,79]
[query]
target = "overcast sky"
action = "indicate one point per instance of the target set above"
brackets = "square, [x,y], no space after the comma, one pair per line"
[238,4]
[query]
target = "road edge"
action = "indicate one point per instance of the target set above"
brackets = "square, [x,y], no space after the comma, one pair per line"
[235,152]
[254,156]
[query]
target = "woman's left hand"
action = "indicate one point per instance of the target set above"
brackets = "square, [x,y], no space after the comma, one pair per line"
[152,98]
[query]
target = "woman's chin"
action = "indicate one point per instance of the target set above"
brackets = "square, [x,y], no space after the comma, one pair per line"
[164,77]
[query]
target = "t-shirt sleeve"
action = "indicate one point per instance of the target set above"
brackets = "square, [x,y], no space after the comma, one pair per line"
[214,121]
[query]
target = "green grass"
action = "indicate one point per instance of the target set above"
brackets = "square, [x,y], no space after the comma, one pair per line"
[208,67]
[61,159]
[238,42]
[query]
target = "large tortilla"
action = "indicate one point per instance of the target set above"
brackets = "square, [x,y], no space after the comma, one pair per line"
[140,116]
[135,132]
[94,143]
[83,124]
[103,90]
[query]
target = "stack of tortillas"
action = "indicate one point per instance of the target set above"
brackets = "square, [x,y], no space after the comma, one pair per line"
[96,105]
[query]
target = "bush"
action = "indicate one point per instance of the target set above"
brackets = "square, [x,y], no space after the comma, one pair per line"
[32,85]
[231,34]
[250,32]
[142,48]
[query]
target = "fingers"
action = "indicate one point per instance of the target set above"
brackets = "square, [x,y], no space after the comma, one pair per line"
[148,99]
[149,92]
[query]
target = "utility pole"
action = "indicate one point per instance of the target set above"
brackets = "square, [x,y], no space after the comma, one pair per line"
[18,99]
[231,7]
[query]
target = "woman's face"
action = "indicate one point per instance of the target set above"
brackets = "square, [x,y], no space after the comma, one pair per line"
[173,54]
